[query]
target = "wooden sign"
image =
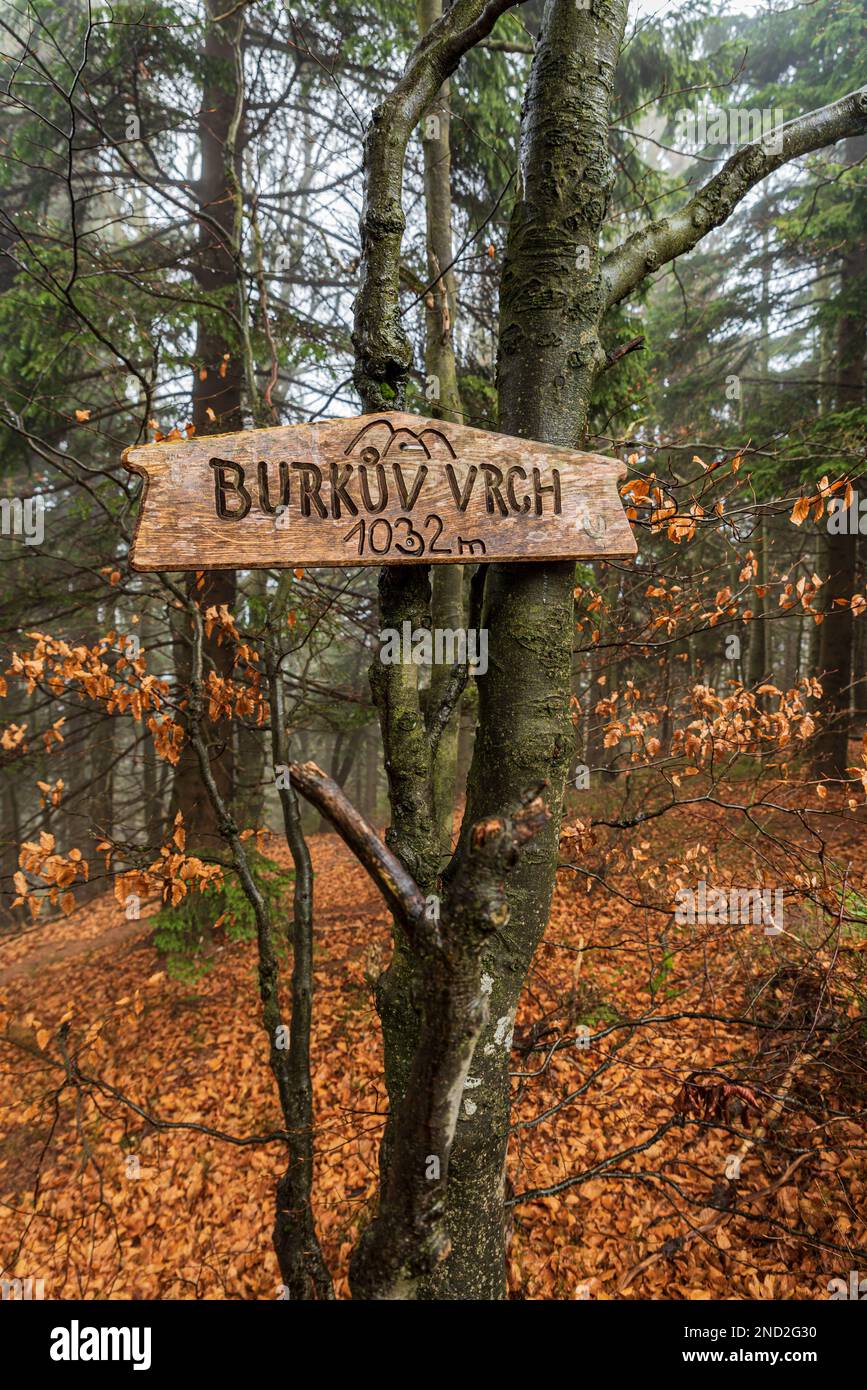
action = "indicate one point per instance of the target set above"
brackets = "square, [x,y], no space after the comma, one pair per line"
[390,489]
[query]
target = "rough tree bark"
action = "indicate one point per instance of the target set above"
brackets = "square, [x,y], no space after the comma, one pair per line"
[217,381]
[549,356]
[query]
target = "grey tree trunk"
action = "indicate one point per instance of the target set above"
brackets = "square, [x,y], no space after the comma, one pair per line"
[549,356]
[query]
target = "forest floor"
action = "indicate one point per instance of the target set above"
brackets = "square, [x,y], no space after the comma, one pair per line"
[98,1203]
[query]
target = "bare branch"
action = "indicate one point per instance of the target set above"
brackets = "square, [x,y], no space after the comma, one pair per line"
[661,241]
[383,351]
[398,887]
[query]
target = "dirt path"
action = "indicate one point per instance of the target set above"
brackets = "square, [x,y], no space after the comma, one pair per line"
[90,928]
[56,952]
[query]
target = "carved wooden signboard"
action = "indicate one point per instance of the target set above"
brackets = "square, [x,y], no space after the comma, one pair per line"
[380,489]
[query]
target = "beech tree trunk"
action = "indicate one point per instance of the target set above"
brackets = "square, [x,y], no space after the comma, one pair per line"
[549,356]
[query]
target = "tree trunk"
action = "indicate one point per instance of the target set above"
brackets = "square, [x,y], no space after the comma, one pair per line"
[447,581]
[549,355]
[152,800]
[10,847]
[758,648]
[841,551]
[371,774]
[336,755]
[100,800]
[249,752]
[216,396]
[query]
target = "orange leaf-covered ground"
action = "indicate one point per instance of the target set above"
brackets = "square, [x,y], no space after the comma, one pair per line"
[98,1204]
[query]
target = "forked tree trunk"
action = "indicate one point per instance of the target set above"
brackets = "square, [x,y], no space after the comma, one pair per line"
[549,356]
